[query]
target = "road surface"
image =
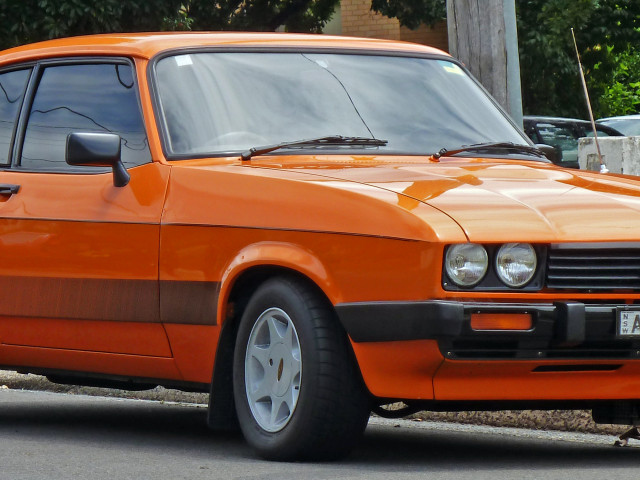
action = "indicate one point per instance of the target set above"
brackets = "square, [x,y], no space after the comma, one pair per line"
[59,436]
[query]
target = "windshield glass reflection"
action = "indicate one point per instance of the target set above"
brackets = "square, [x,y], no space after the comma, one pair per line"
[217,103]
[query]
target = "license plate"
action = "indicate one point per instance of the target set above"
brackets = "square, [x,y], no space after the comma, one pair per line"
[628,323]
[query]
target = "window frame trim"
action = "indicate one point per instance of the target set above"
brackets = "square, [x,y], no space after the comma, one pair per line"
[30,66]
[33,84]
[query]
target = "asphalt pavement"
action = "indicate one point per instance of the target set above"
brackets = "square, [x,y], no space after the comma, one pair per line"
[46,435]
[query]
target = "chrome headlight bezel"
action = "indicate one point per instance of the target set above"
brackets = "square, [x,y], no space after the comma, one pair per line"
[466,264]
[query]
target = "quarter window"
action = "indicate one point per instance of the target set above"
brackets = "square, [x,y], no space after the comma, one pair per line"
[83,98]
[12,86]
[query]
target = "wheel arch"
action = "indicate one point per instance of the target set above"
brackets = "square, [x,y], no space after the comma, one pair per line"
[275,256]
[250,268]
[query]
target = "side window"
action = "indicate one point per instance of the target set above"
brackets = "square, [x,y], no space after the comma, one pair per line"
[562,138]
[12,86]
[83,98]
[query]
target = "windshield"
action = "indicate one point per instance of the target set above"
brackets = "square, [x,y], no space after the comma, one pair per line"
[627,126]
[221,103]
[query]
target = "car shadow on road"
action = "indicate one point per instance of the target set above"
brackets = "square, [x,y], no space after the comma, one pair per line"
[415,448]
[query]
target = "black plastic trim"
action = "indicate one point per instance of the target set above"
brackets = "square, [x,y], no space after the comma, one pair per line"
[570,323]
[392,321]
[596,246]
[449,320]
[16,125]
[593,267]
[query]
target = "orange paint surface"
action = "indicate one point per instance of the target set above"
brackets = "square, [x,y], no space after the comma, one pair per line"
[516,380]
[194,349]
[145,339]
[399,369]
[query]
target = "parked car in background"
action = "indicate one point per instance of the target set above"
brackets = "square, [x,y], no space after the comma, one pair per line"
[309,228]
[629,125]
[563,134]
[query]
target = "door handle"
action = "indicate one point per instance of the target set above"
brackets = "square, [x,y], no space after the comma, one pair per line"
[8,189]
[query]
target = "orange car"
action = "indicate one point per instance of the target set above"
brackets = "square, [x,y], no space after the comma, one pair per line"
[309,228]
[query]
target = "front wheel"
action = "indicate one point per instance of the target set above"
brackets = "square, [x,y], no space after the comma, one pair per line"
[297,392]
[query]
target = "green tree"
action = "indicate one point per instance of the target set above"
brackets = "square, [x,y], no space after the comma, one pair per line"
[549,70]
[261,15]
[622,95]
[25,21]
[412,13]
[551,83]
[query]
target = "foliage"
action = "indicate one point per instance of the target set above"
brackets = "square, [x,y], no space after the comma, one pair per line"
[622,96]
[261,15]
[25,21]
[412,13]
[549,71]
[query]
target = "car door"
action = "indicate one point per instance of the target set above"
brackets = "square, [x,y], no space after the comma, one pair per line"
[78,255]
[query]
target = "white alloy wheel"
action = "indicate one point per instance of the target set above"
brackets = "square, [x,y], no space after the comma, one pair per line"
[284,411]
[273,370]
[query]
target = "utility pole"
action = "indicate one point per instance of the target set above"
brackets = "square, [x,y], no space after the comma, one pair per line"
[483,35]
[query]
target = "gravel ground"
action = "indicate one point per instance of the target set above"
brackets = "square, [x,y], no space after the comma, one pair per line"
[561,420]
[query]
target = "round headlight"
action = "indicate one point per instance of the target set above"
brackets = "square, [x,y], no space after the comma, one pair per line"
[466,264]
[516,264]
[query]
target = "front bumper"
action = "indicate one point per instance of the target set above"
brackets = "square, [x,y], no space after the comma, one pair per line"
[561,330]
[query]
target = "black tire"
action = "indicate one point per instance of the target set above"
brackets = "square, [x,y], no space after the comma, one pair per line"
[332,406]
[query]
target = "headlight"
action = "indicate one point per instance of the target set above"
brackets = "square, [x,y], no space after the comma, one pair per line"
[516,264]
[466,264]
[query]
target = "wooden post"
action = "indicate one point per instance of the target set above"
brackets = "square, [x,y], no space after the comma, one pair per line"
[483,35]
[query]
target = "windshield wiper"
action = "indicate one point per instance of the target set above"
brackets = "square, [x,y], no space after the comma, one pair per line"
[332,140]
[510,146]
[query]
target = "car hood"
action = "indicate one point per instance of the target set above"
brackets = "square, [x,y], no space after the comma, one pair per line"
[501,200]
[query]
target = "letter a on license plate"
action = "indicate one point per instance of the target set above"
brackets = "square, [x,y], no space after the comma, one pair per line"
[628,323]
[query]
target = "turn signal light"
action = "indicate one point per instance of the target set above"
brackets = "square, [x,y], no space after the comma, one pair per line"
[501,321]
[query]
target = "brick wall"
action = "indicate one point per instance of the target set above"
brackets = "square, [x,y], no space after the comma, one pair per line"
[359,21]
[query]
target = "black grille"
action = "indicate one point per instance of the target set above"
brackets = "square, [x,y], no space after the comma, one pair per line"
[594,267]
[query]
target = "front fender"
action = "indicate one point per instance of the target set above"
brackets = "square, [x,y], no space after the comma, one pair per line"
[276,254]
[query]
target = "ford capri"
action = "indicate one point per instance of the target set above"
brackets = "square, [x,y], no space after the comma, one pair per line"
[308,228]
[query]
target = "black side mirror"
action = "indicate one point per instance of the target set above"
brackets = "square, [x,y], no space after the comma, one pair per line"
[97,150]
[550,152]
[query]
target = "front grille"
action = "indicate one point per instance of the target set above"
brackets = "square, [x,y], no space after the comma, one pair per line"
[594,267]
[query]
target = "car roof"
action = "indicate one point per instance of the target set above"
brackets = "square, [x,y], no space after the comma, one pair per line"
[146,45]
[532,119]
[541,118]
[619,118]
